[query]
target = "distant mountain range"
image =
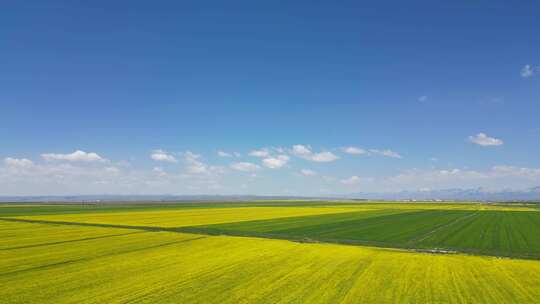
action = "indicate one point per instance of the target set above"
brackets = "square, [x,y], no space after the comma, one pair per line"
[144,198]
[474,194]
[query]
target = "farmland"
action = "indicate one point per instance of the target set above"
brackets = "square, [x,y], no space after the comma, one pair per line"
[500,233]
[243,253]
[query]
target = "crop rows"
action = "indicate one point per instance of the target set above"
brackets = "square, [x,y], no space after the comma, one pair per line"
[84,264]
[501,233]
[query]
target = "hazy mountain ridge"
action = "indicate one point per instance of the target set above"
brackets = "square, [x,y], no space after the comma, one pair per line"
[140,198]
[481,194]
[476,194]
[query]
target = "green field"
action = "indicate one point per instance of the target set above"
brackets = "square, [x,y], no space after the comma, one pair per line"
[499,233]
[242,253]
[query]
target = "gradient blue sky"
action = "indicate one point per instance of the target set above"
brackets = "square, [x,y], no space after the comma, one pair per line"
[190,78]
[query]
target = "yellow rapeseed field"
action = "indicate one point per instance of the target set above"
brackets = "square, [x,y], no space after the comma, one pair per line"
[191,217]
[43,263]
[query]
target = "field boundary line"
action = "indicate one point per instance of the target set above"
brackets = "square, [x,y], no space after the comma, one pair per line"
[67,241]
[45,222]
[429,233]
[78,260]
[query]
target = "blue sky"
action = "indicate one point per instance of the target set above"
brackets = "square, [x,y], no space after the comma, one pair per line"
[432,94]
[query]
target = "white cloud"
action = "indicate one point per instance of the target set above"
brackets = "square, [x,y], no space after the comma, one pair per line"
[454,172]
[227,154]
[280,150]
[112,170]
[260,153]
[353,180]
[496,178]
[307,172]
[245,166]
[276,162]
[527,71]
[353,150]
[483,140]
[423,98]
[306,153]
[360,151]
[301,150]
[386,152]
[196,166]
[160,155]
[24,177]
[159,171]
[75,156]
[21,176]
[224,154]
[324,157]
[18,162]
[529,173]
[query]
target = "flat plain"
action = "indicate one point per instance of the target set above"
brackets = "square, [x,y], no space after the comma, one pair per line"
[270,252]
